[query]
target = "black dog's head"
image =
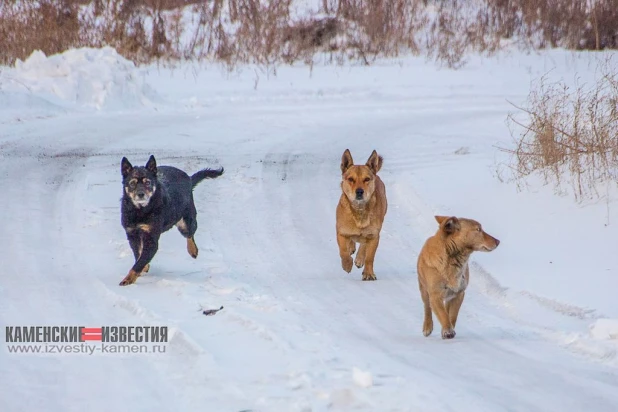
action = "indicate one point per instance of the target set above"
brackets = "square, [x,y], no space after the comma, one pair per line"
[140,183]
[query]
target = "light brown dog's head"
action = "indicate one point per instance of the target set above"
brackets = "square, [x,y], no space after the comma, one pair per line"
[359,182]
[467,233]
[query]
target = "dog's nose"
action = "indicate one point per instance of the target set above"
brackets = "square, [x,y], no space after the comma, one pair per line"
[140,195]
[497,242]
[359,193]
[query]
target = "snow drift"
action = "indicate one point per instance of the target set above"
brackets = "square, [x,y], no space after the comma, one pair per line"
[87,77]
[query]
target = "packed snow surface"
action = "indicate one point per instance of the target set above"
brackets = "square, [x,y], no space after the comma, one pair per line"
[537,330]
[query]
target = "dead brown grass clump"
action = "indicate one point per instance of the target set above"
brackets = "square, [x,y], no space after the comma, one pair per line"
[266,32]
[459,27]
[386,28]
[569,135]
[51,26]
[572,24]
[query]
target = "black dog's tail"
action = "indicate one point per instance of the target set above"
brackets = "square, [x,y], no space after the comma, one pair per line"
[205,174]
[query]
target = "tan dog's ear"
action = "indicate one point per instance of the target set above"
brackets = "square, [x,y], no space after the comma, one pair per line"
[346,161]
[374,162]
[449,224]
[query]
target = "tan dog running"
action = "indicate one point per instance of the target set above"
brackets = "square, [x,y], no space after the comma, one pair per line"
[443,272]
[360,212]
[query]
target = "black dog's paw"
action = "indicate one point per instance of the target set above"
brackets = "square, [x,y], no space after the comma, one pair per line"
[192,248]
[130,278]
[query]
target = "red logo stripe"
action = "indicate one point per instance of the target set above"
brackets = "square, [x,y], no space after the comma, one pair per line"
[91,337]
[91,334]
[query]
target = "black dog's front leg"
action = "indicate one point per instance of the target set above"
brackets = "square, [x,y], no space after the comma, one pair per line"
[149,245]
[135,242]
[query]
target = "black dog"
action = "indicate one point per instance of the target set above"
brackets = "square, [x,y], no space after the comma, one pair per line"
[154,200]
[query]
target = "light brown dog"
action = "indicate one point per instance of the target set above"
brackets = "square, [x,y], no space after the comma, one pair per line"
[360,212]
[443,272]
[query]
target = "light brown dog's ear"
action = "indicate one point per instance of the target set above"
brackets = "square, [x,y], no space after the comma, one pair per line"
[346,161]
[440,219]
[449,224]
[374,162]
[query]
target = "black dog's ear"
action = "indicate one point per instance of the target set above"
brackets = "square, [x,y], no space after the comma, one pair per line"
[125,167]
[374,162]
[346,161]
[152,164]
[449,224]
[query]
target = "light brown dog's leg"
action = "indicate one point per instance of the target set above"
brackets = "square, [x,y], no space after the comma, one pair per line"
[370,253]
[428,319]
[360,256]
[192,247]
[453,307]
[435,299]
[344,252]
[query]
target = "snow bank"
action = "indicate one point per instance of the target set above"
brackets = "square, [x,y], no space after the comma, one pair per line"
[605,329]
[364,379]
[86,77]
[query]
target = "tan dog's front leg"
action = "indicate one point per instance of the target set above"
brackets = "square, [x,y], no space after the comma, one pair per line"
[345,247]
[359,261]
[371,245]
[428,320]
[437,304]
[453,307]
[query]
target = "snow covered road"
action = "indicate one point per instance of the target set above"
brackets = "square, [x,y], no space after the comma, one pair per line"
[297,333]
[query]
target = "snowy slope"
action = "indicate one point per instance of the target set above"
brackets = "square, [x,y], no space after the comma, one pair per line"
[297,333]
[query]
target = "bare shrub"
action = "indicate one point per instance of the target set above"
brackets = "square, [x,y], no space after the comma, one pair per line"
[51,26]
[569,135]
[260,29]
[265,32]
[457,28]
[381,27]
[573,24]
[302,39]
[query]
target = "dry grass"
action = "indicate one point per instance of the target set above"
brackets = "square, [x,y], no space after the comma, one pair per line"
[572,24]
[569,135]
[264,31]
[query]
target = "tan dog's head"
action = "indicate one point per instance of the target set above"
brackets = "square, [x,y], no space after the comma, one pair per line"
[467,233]
[359,182]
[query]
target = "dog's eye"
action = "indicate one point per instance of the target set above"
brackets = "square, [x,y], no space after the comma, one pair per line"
[147,182]
[351,180]
[478,229]
[367,179]
[132,183]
